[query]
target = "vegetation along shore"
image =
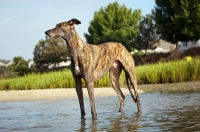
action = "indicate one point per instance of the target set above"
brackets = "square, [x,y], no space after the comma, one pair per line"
[168,72]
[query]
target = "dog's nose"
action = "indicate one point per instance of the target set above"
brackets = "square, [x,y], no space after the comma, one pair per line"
[46,32]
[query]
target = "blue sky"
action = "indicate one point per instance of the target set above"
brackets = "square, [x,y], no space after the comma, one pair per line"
[23,22]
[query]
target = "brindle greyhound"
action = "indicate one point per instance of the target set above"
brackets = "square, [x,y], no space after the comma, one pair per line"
[93,61]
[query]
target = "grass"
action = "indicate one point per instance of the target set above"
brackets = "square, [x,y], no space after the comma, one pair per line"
[171,72]
[60,79]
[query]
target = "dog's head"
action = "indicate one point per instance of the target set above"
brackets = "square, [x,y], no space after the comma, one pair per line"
[62,29]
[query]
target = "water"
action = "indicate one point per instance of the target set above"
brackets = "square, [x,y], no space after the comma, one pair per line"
[161,112]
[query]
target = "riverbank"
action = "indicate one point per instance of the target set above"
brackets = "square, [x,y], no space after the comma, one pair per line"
[61,93]
[192,86]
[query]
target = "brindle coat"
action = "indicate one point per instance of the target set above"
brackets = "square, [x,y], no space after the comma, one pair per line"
[91,62]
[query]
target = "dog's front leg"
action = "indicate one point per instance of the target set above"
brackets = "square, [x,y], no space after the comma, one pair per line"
[79,92]
[90,88]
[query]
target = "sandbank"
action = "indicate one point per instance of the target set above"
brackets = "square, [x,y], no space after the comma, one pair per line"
[59,93]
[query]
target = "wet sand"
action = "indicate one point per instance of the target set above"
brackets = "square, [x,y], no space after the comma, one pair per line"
[62,93]
[48,94]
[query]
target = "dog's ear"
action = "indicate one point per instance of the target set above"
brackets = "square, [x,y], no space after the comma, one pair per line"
[74,21]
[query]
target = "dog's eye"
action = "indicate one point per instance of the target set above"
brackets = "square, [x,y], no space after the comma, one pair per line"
[58,25]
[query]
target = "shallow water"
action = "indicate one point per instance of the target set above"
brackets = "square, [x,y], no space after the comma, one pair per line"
[161,112]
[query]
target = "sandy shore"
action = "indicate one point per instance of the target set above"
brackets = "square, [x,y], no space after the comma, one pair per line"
[61,93]
[47,94]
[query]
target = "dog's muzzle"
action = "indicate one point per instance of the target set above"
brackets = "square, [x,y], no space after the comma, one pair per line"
[47,33]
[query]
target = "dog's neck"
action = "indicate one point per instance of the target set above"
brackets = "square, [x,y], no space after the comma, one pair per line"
[75,44]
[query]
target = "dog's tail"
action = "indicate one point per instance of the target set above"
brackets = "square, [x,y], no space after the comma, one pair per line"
[131,82]
[132,85]
[128,67]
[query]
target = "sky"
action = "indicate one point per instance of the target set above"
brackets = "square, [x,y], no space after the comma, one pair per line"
[23,22]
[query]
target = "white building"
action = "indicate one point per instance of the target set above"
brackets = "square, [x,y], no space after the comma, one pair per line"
[1,64]
[186,45]
[164,47]
[10,63]
[161,47]
[31,63]
[61,64]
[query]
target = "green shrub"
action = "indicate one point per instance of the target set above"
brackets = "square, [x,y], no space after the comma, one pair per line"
[171,72]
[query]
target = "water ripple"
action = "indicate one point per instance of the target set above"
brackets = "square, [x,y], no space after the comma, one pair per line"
[161,112]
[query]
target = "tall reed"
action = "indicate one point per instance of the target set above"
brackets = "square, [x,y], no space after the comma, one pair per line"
[171,72]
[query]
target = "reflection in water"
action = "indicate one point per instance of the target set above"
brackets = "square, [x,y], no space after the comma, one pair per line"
[160,112]
[83,126]
[94,126]
[188,116]
[126,125]
[117,124]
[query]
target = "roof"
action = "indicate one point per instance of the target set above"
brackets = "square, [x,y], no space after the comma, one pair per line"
[1,64]
[165,45]
[10,63]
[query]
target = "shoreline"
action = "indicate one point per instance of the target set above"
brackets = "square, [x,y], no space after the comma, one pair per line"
[182,87]
[63,93]
[57,93]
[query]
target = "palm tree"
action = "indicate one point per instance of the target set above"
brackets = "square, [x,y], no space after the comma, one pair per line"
[19,65]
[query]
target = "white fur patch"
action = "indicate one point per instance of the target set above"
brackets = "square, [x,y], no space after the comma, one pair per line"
[77,68]
[115,64]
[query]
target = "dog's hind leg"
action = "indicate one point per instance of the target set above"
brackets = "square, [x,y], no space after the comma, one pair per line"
[128,81]
[132,83]
[79,92]
[115,72]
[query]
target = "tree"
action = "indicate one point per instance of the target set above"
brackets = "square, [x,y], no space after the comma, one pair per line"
[19,65]
[163,12]
[114,23]
[178,20]
[2,71]
[147,37]
[187,18]
[50,50]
